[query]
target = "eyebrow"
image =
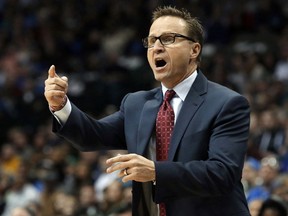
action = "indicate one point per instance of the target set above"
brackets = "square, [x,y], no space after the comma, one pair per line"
[167,32]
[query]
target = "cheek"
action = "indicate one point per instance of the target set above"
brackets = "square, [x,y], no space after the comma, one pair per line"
[178,60]
[149,58]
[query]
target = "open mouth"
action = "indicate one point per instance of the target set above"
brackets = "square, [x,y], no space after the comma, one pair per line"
[160,63]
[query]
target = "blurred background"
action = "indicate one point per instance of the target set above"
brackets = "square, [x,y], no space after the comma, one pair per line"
[97,44]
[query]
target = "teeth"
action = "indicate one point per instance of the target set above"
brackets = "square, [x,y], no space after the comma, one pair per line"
[158,59]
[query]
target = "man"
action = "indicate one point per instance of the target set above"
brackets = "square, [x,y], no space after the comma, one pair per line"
[201,173]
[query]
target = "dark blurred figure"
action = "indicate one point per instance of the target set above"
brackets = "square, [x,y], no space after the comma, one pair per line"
[273,207]
[88,205]
[271,137]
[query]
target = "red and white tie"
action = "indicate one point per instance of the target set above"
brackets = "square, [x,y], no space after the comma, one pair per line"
[164,129]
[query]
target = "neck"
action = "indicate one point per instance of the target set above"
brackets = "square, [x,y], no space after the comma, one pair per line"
[189,72]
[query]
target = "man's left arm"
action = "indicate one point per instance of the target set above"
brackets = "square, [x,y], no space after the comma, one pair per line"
[221,171]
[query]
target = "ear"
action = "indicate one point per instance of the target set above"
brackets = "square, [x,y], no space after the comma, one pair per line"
[195,50]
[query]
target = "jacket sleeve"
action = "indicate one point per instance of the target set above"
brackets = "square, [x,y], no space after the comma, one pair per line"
[89,134]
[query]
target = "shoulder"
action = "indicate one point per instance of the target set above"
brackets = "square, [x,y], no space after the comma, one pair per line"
[225,100]
[135,100]
[143,95]
[214,91]
[218,97]
[217,89]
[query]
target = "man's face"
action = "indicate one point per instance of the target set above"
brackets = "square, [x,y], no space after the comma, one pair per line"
[174,62]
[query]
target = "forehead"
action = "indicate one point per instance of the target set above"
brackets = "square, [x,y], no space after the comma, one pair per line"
[168,24]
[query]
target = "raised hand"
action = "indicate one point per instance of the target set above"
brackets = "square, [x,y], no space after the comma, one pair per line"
[55,89]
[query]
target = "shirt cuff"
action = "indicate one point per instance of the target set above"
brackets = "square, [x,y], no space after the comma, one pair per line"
[63,114]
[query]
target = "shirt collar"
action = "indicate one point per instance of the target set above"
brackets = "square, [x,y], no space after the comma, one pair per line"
[183,87]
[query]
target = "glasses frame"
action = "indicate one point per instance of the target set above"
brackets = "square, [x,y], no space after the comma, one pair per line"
[174,35]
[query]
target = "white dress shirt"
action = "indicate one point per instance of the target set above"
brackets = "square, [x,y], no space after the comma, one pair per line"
[176,102]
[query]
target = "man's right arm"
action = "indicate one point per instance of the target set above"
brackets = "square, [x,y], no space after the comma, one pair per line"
[56,88]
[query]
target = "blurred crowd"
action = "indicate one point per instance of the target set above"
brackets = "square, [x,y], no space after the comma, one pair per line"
[97,45]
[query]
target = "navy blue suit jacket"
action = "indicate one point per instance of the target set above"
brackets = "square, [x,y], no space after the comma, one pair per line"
[202,176]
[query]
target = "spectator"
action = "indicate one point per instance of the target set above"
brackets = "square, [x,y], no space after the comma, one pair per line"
[10,161]
[280,188]
[250,173]
[268,173]
[88,204]
[255,206]
[23,211]
[113,199]
[271,139]
[21,193]
[272,207]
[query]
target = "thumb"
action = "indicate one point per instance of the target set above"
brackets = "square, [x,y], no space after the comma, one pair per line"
[52,72]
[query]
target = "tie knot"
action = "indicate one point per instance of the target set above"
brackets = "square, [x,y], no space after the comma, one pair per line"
[169,94]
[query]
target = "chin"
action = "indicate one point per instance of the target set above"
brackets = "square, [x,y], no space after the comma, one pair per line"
[159,77]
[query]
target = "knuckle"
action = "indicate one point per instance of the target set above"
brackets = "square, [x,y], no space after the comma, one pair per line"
[134,163]
[45,94]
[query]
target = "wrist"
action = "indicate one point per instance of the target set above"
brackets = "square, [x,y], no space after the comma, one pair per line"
[57,108]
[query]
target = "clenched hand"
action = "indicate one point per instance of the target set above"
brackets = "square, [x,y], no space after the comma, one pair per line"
[55,89]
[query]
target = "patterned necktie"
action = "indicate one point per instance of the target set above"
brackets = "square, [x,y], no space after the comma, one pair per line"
[164,129]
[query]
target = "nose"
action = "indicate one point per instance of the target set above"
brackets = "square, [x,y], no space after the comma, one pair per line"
[158,45]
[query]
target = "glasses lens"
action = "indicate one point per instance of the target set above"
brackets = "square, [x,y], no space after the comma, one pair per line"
[167,39]
[270,161]
[149,41]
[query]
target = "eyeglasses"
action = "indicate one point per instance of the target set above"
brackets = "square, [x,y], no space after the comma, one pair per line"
[270,161]
[165,39]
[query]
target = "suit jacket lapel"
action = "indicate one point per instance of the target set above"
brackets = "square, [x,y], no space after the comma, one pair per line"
[147,121]
[192,102]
